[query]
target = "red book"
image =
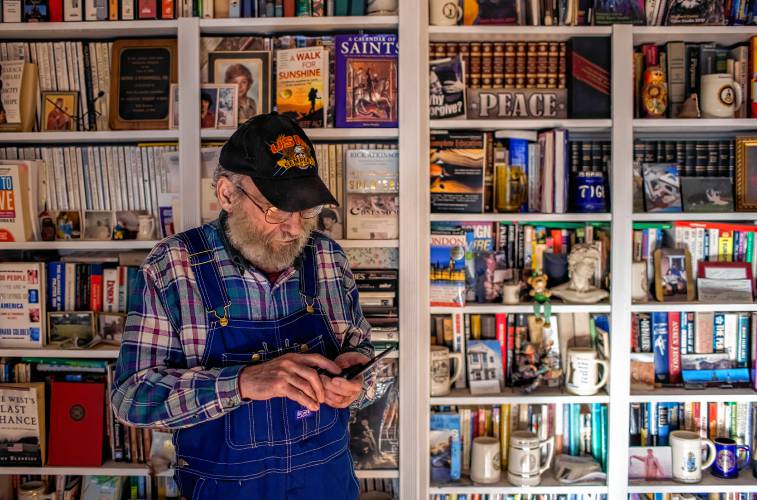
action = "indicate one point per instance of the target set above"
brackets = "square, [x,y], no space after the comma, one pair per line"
[148,9]
[712,420]
[510,350]
[501,329]
[56,11]
[167,9]
[674,341]
[96,290]
[289,10]
[76,424]
[634,333]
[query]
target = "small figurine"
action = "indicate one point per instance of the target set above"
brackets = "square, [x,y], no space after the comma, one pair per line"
[654,93]
[530,368]
[119,231]
[690,108]
[541,296]
[582,263]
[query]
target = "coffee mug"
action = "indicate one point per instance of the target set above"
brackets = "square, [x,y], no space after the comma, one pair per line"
[726,464]
[444,12]
[687,456]
[485,461]
[34,490]
[581,375]
[511,293]
[440,379]
[525,462]
[721,96]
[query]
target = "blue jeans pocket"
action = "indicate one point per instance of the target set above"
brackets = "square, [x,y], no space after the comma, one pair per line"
[250,425]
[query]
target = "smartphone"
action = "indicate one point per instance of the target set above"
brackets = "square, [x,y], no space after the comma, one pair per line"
[357,370]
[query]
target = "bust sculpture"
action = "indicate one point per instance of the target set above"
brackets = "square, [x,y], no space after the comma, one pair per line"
[582,262]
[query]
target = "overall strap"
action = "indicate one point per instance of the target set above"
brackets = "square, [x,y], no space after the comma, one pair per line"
[309,275]
[208,276]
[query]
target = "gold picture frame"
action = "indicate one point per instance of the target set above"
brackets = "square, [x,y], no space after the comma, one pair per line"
[746,170]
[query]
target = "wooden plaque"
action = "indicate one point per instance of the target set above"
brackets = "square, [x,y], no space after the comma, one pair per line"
[141,78]
[515,103]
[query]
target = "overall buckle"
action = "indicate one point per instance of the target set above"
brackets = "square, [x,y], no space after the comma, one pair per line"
[222,320]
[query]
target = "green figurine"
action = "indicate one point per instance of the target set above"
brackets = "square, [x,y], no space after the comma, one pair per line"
[541,296]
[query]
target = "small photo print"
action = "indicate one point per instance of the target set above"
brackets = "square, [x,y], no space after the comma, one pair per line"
[110,327]
[98,225]
[707,194]
[673,273]
[59,111]
[330,222]
[71,329]
[68,225]
[208,105]
[226,111]
[662,189]
[650,463]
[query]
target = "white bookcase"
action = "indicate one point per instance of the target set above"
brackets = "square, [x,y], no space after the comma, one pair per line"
[413,138]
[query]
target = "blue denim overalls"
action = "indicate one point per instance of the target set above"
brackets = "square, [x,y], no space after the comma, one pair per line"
[274,449]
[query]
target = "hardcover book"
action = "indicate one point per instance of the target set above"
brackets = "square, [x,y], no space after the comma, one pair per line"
[446,88]
[589,77]
[444,439]
[22,304]
[302,85]
[457,161]
[366,80]
[660,346]
[372,216]
[708,12]
[22,433]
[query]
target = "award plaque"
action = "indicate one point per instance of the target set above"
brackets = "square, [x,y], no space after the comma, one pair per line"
[142,73]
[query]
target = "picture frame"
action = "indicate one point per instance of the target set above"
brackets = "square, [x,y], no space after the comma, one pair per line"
[110,327]
[639,456]
[155,62]
[227,110]
[68,225]
[746,173]
[98,225]
[59,111]
[707,194]
[70,329]
[674,280]
[250,70]
[662,187]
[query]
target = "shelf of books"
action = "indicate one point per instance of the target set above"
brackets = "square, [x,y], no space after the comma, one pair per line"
[693,125]
[90,29]
[525,217]
[519,309]
[73,137]
[324,24]
[485,33]
[683,394]
[522,124]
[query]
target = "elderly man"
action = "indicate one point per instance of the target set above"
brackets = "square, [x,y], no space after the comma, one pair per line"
[233,325]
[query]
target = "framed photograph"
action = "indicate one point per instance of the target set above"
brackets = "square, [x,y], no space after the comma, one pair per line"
[173,117]
[98,225]
[68,225]
[59,111]
[746,173]
[707,194]
[71,329]
[36,11]
[674,280]
[142,71]
[110,327]
[662,188]
[650,463]
[251,72]
[208,106]
[227,108]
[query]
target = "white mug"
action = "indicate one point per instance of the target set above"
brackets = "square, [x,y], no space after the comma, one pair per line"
[440,379]
[525,463]
[146,228]
[687,456]
[721,96]
[444,12]
[485,460]
[511,293]
[581,373]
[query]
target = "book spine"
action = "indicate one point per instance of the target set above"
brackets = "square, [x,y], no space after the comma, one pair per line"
[660,345]
[674,360]
[458,343]
[718,337]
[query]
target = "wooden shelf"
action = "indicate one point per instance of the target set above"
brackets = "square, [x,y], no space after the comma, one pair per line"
[602,307]
[518,217]
[582,125]
[711,216]
[693,307]
[549,485]
[262,25]
[514,33]
[542,395]
[689,125]
[88,30]
[710,484]
[681,395]
[319,134]
[369,243]
[724,35]
[84,138]
[107,469]
[99,352]
[82,245]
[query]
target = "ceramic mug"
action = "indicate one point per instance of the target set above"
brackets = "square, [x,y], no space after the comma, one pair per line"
[721,96]
[440,379]
[146,228]
[444,12]
[582,371]
[726,464]
[34,490]
[485,460]
[527,461]
[687,456]
[511,293]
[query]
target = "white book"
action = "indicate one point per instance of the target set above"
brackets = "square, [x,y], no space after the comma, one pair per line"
[72,10]
[127,10]
[106,181]
[47,157]
[11,11]
[207,9]
[93,183]
[77,152]
[90,10]
[71,70]
[153,207]
[125,187]
[97,176]
[60,175]
[731,335]
[84,106]
[61,68]
[116,185]
[110,290]
[135,160]
[561,168]
[22,305]
[714,238]
[69,299]
[105,76]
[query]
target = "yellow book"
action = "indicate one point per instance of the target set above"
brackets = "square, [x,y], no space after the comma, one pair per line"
[302,85]
[504,434]
[19,96]
[725,247]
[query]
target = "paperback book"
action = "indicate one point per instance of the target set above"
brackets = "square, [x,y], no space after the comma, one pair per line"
[302,85]
[22,304]
[456,167]
[448,268]
[446,88]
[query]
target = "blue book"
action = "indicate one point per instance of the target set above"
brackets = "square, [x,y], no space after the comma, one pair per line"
[341,7]
[660,346]
[444,438]
[566,434]
[742,342]
[357,8]
[56,283]
[685,332]
[652,421]
[518,149]
[575,429]
[663,424]
[718,334]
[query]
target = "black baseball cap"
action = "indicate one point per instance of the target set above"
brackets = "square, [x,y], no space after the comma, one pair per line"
[280,159]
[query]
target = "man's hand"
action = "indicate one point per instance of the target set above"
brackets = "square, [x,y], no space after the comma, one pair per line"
[340,392]
[290,376]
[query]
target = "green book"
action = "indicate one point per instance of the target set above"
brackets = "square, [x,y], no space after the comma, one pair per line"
[341,7]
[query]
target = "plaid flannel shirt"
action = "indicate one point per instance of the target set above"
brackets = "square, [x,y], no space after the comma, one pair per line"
[158,379]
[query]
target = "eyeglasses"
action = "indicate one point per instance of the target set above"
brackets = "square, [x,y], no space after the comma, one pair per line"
[275,215]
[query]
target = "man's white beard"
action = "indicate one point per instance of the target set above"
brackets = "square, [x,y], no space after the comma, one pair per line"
[258,249]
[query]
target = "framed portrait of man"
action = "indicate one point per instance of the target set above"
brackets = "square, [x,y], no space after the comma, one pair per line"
[59,111]
[251,72]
